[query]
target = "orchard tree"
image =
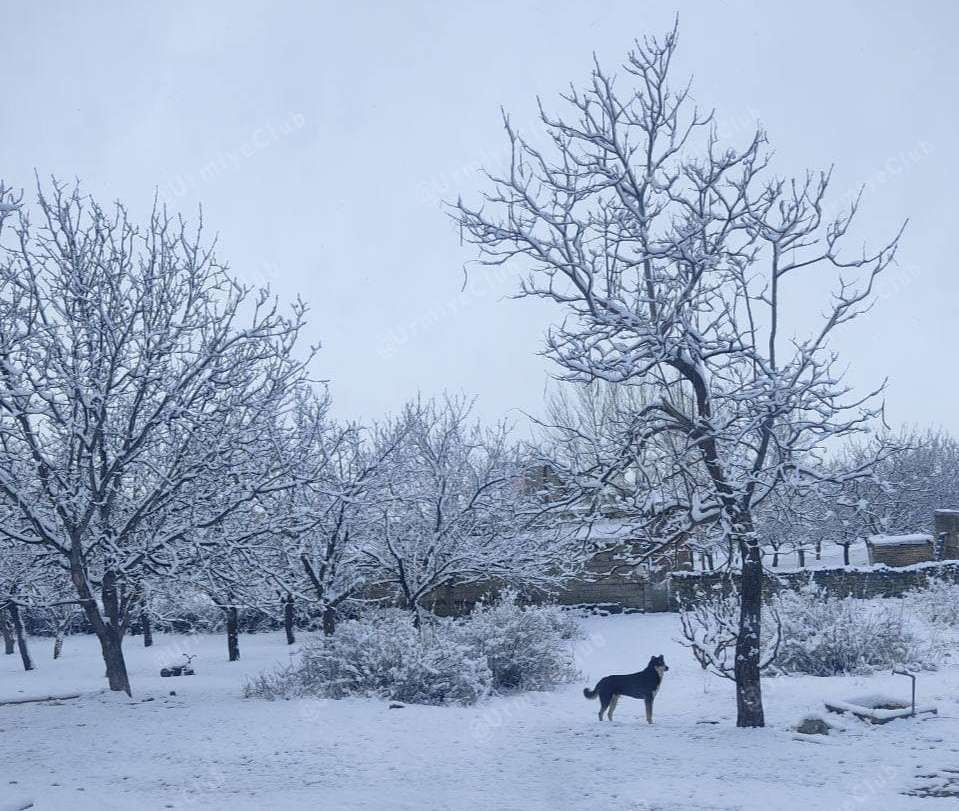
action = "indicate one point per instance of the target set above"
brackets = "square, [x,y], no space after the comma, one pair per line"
[134,371]
[454,510]
[323,560]
[675,259]
[21,572]
[581,433]
[918,474]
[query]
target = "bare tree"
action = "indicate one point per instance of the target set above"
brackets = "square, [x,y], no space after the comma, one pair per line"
[673,257]
[582,432]
[918,473]
[455,510]
[342,508]
[134,371]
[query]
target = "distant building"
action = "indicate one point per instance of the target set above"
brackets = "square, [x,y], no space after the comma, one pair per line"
[620,573]
[947,534]
[900,550]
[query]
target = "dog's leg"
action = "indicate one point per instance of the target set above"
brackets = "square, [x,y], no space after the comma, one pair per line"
[603,704]
[649,711]
[612,706]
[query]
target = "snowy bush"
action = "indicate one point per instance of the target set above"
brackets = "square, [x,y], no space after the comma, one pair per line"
[499,648]
[525,648]
[823,635]
[937,603]
[812,632]
[383,657]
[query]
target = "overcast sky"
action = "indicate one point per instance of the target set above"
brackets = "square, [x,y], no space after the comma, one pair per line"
[322,139]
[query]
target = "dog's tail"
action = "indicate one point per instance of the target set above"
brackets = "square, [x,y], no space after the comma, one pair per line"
[590,693]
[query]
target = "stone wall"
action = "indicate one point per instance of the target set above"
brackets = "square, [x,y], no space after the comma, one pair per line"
[853,581]
[609,583]
[614,594]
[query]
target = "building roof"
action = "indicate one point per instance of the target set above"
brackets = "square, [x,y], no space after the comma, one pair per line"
[899,540]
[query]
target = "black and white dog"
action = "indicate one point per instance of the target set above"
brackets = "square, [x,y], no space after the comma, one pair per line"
[644,684]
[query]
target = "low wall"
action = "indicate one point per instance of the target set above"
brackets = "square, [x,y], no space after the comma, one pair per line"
[613,595]
[850,581]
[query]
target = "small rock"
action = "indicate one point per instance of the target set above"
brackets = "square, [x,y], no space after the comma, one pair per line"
[395,706]
[813,726]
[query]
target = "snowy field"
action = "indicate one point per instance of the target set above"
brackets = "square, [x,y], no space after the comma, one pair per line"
[209,748]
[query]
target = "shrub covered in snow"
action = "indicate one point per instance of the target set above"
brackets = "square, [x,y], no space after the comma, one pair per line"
[823,635]
[811,632]
[937,603]
[386,657]
[499,648]
[525,648]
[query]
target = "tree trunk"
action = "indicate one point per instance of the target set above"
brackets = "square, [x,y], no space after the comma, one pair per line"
[17,622]
[111,646]
[845,554]
[775,558]
[749,697]
[709,560]
[329,620]
[7,631]
[233,633]
[288,619]
[108,631]
[58,644]
[802,558]
[819,549]
[147,629]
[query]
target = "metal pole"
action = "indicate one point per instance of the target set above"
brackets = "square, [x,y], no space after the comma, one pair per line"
[900,672]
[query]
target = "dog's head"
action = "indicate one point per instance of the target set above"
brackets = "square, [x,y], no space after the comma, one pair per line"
[658,663]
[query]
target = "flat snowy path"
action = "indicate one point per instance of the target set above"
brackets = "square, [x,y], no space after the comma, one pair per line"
[208,748]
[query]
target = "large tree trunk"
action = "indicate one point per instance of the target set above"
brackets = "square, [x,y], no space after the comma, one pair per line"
[17,622]
[749,697]
[147,629]
[329,620]
[108,631]
[111,646]
[289,617]
[7,630]
[233,632]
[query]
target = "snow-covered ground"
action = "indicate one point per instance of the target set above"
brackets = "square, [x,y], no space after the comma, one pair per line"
[208,748]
